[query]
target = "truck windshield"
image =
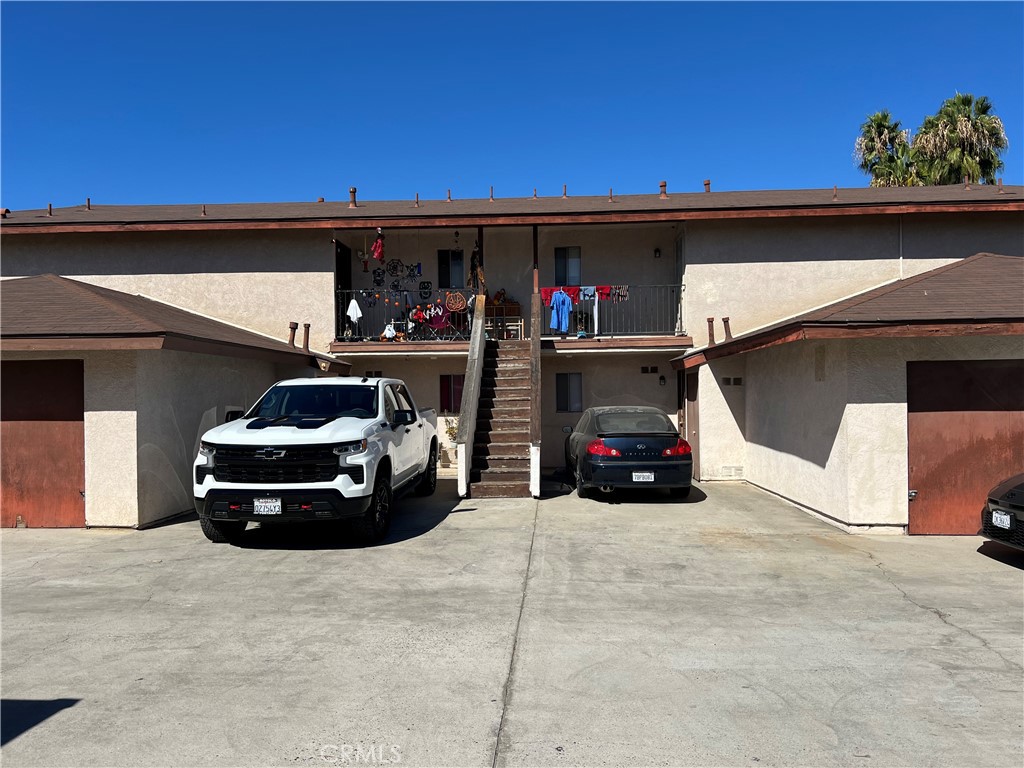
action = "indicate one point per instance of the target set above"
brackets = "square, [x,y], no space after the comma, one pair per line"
[319,401]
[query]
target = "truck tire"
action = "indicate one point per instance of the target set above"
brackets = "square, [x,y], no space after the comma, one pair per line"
[222,531]
[376,522]
[428,480]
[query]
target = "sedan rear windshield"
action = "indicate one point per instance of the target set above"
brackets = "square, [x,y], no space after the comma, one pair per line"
[322,401]
[635,421]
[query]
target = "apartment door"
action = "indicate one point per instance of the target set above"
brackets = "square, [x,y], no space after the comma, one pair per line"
[42,440]
[693,421]
[965,434]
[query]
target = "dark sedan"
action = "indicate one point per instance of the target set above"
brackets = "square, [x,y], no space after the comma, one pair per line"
[1002,519]
[627,447]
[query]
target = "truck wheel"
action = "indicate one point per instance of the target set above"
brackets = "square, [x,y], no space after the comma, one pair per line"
[428,481]
[376,521]
[222,531]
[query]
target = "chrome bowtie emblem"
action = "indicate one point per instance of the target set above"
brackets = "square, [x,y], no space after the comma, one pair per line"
[270,453]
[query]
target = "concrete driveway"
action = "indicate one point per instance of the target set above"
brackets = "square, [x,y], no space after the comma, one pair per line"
[730,630]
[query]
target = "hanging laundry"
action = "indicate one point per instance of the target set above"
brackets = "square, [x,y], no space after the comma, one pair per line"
[604,292]
[546,294]
[573,292]
[353,311]
[588,292]
[561,308]
[620,293]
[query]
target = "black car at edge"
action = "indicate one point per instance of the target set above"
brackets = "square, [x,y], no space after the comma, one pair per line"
[627,447]
[1002,519]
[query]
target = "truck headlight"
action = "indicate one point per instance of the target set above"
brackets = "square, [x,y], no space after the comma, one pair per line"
[341,450]
[207,450]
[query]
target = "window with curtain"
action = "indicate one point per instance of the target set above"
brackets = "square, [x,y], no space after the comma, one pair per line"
[568,266]
[569,392]
[451,269]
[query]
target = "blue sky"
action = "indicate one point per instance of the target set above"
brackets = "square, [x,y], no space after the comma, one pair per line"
[237,102]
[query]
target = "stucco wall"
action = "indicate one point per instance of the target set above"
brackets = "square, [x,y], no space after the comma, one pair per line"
[722,415]
[258,280]
[180,396]
[757,272]
[111,479]
[607,380]
[827,421]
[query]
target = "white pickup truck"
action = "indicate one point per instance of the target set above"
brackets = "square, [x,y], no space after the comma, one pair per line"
[316,449]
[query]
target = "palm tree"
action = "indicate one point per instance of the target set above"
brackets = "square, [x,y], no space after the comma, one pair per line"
[963,140]
[884,153]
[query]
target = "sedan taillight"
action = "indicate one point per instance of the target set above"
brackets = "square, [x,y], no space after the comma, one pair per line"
[681,448]
[598,448]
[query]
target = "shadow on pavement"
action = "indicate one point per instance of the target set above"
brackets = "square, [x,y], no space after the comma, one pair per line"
[411,516]
[20,715]
[559,483]
[1003,554]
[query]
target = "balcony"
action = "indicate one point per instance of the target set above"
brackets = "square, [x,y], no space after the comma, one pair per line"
[379,320]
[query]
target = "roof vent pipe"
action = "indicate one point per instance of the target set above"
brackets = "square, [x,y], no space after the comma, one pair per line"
[4,212]
[292,328]
[319,199]
[707,185]
[835,192]
[711,331]
[663,190]
[449,196]
[967,182]
[305,337]
[417,205]
[352,197]
[88,204]
[204,209]
[492,193]
[565,193]
[1001,190]
[728,331]
[49,209]
[535,191]
[611,198]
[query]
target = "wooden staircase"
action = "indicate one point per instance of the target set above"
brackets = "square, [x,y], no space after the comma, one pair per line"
[501,446]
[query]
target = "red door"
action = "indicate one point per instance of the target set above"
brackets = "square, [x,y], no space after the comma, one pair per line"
[42,443]
[965,434]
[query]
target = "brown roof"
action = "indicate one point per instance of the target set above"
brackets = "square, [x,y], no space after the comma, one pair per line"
[677,205]
[52,312]
[983,290]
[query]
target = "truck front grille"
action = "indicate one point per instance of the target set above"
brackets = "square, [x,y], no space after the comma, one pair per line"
[263,466]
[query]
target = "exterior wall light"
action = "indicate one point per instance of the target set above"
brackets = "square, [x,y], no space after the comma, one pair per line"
[657,253]
[661,380]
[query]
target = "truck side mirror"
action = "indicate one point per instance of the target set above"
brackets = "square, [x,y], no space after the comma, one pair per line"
[232,416]
[405,418]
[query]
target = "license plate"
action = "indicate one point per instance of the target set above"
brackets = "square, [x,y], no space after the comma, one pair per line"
[1000,519]
[643,477]
[266,506]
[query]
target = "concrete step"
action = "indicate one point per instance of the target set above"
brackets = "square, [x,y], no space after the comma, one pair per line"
[513,490]
[502,424]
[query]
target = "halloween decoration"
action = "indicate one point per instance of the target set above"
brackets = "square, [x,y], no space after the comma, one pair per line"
[377,249]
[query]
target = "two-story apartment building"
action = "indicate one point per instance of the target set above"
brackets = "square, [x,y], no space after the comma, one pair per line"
[389,287]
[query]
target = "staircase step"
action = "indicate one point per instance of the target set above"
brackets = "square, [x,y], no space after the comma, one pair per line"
[500,490]
[515,411]
[501,424]
[485,448]
[500,476]
[502,462]
[503,436]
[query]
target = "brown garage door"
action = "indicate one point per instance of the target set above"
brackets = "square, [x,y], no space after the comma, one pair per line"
[42,439]
[965,433]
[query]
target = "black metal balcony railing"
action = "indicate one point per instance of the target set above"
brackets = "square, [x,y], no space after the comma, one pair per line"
[445,315]
[620,310]
[381,314]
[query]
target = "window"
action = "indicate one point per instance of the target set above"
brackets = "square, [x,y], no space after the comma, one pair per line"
[451,392]
[451,270]
[569,392]
[389,406]
[568,270]
[402,398]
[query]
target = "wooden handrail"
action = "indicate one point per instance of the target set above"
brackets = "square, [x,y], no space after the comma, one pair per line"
[466,435]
